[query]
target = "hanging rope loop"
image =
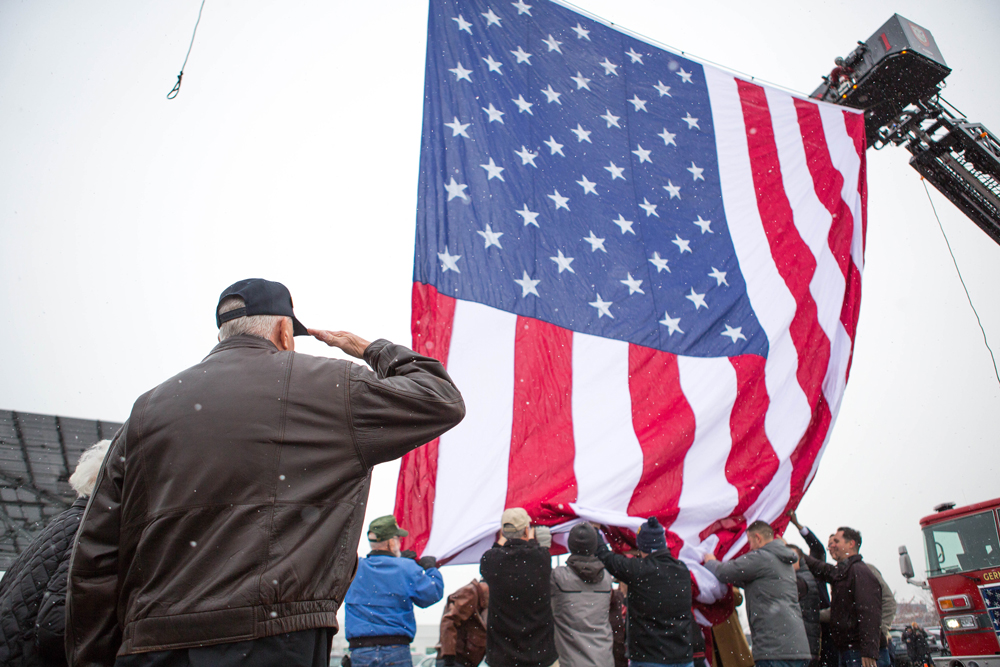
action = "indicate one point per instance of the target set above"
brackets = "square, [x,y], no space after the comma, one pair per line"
[177,86]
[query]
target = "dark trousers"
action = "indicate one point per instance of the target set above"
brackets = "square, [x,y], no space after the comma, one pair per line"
[308,648]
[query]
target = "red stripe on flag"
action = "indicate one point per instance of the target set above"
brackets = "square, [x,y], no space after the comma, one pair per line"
[430,323]
[540,472]
[664,424]
[752,461]
[795,263]
[855,123]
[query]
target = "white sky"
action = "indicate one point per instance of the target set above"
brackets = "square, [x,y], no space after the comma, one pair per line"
[291,153]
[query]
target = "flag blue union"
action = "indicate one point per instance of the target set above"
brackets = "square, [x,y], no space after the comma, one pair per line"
[569,173]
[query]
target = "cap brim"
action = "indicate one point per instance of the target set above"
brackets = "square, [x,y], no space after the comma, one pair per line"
[298,329]
[400,532]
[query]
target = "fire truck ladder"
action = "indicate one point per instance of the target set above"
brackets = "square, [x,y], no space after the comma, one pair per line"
[959,158]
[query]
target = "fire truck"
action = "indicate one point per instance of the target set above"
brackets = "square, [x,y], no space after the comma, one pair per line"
[962,547]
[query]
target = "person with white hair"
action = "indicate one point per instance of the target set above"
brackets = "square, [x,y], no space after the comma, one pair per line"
[33,591]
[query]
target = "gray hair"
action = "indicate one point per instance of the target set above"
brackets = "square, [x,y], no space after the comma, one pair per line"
[84,477]
[262,326]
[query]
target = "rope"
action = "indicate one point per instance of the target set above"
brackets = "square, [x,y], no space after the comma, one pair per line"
[959,272]
[177,86]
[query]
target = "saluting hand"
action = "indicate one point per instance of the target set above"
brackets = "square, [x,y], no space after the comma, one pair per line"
[352,344]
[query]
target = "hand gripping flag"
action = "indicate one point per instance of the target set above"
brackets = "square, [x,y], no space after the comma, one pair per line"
[643,272]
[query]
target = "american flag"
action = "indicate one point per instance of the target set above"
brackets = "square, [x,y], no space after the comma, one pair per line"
[643,272]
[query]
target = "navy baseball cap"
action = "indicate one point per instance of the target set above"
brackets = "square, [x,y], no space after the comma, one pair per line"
[262,297]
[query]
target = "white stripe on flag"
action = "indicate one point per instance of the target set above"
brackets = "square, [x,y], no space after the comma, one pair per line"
[608,459]
[473,457]
[709,385]
[788,413]
[845,158]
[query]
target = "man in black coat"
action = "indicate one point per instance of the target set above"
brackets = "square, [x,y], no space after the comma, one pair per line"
[915,639]
[855,600]
[660,624]
[33,591]
[520,630]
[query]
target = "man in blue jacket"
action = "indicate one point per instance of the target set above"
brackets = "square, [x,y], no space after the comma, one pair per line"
[379,604]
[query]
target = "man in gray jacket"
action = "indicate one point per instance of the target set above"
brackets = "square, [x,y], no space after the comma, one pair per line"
[581,597]
[767,576]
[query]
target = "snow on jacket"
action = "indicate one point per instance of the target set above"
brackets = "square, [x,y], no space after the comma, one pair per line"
[519,625]
[659,605]
[380,601]
[33,595]
[855,604]
[767,576]
[231,503]
[581,598]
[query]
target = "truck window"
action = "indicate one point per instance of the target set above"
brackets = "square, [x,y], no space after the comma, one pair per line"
[962,545]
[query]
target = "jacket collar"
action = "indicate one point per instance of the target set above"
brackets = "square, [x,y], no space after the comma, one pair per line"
[380,552]
[243,340]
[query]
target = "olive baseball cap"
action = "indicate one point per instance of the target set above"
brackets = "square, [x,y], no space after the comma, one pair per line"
[262,297]
[384,528]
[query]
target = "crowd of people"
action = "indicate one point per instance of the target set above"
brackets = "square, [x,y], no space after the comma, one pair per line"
[204,537]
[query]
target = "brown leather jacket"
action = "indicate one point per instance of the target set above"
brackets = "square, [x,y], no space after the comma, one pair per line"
[463,624]
[231,502]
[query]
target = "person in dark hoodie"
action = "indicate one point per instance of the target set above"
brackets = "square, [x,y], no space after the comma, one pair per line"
[581,597]
[767,576]
[659,599]
[33,591]
[519,626]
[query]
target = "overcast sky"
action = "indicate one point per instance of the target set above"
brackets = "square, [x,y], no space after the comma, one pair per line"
[291,153]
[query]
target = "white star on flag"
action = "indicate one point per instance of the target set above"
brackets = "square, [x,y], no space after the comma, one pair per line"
[455,189]
[527,285]
[616,172]
[587,185]
[643,154]
[609,67]
[704,224]
[581,82]
[602,307]
[668,137]
[626,225]
[691,121]
[493,170]
[527,157]
[522,55]
[551,95]
[554,146]
[581,32]
[522,8]
[552,43]
[561,202]
[494,65]
[582,134]
[650,209]
[463,24]
[530,218]
[632,284]
[674,190]
[735,334]
[697,299]
[636,57]
[448,261]
[663,90]
[684,245]
[458,129]
[461,73]
[659,263]
[491,237]
[611,118]
[494,113]
[491,18]
[719,276]
[685,76]
[672,323]
[595,243]
[563,262]
[696,172]
[640,105]
[524,105]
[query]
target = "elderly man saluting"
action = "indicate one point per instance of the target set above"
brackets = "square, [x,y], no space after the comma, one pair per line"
[379,605]
[224,527]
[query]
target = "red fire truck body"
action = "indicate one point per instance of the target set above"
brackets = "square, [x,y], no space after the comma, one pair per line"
[962,546]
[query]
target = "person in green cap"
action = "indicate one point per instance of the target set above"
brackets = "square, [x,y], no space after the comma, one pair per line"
[379,604]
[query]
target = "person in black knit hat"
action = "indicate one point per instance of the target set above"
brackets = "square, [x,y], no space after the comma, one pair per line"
[660,624]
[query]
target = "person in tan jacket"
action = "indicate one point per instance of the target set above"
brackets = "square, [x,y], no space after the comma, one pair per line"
[463,626]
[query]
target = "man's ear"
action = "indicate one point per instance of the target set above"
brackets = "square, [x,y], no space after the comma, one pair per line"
[286,334]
